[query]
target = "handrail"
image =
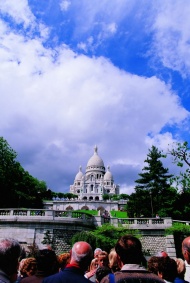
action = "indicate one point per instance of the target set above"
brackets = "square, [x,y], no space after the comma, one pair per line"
[16,214]
[43,213]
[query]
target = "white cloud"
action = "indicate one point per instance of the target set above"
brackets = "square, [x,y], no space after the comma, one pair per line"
[50,107]
[64,4]
[18,10]
[172,35]
[112,28]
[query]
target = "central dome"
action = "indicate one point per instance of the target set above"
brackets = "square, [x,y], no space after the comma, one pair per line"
[95,160]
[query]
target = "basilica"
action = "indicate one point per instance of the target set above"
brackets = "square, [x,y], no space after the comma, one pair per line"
[95,182]
[90,187]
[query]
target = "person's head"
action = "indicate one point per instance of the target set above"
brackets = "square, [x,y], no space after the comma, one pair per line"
[113,260]
[186,249]
[81,255]
[101,272]
[63,260]
[129,250]
[103,259]
[167,268]
[10,251]
[180,267]
[153,264]
[93,264]
[27,266]
[96,252]
[164,267]
[47,262]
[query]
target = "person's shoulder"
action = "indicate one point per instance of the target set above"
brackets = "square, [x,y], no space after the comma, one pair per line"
[53,278]
[105,279]
[28,279]
[137,276]
[180,280]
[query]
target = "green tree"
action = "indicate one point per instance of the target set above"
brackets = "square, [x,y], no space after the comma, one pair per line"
[7,171]
[115,197]
[181,157]
[124,196]
[104,236]
[152,192]
[18,187]
[85,236]
[48,239]
[105,197]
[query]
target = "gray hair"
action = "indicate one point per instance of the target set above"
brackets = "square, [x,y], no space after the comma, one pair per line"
[10,251]
[80,257]
[97,250]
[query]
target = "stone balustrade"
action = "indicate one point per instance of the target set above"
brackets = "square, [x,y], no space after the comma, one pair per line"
[44,215]
[41,215]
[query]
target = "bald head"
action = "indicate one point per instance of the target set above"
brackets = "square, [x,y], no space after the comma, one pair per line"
[186,249]
[186,243]
[81,255]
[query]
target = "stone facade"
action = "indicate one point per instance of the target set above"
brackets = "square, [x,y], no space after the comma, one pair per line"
[84,205]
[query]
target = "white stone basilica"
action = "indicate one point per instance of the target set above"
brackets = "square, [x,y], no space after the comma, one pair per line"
[95,182]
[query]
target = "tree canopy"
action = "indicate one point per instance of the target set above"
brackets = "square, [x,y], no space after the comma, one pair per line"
[104,236]
[181,157]
[153,192]
[18,188]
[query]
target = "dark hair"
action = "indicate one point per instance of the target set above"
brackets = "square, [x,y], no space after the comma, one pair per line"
[129,249]
[101,272]
[153,264]
[164,265]
[47,261]
[168,267]
[10,251]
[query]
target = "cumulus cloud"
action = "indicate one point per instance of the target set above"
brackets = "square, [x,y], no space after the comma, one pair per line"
[171,29]
[19,11]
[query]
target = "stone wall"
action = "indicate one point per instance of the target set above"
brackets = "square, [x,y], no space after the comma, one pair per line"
[61,234]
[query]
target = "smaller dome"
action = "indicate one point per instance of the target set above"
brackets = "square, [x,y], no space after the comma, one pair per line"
[108,175]
[79,175]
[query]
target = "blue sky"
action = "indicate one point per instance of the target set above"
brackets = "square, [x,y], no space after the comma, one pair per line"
[75,74]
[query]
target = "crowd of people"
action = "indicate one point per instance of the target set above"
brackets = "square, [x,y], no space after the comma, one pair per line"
[124,263]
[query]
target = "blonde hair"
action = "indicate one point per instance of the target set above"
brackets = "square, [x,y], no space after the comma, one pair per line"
[93,264]
[113,261]
[180,266]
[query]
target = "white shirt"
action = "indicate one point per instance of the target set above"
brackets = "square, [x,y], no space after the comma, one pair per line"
[187,272]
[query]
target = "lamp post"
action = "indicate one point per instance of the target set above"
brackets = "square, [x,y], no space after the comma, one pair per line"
[151,204]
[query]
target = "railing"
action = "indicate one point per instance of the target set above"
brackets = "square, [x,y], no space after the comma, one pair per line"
[46,215]
[144,223]
[140,221]
[21,214]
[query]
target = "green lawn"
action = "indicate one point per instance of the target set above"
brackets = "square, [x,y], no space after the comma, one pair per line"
[117,214]
[92,212]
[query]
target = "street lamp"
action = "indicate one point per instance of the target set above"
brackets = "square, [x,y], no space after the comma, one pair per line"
[151,203]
